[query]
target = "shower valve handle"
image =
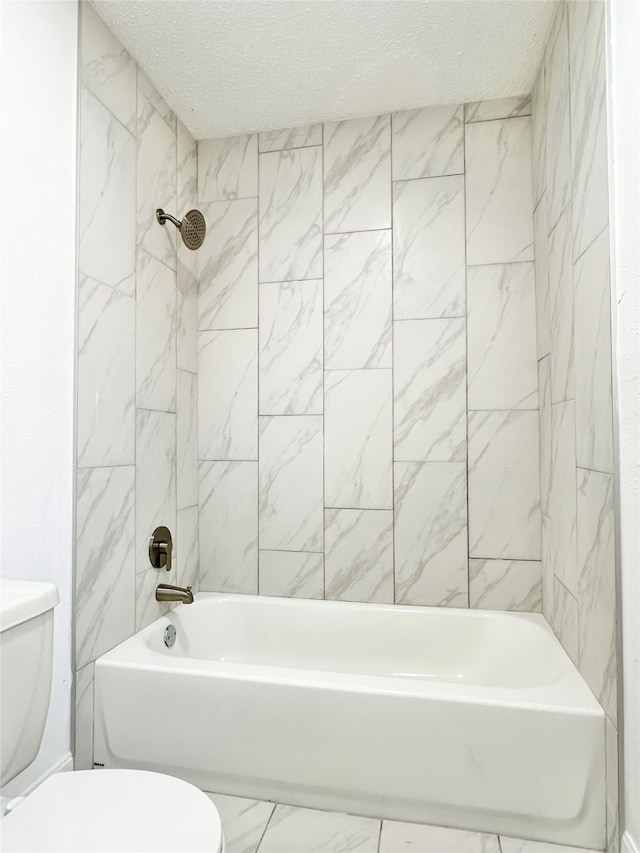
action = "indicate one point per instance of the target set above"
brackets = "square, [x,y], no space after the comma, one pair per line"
[161,548]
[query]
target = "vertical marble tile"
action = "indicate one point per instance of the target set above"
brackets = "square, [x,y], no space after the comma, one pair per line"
[597,586]
[290,483]
[357,300]
[155,334]
[544,392]
[106,376]
[538,135]
[543,310]
[107,69]
[147,608]
[357,174]
[499,191]
[107,197]
[593,375]
[501,337]
[290,338]
[290,214]
[187,550]
[561,502]
[558,132]
[187,310]
[105,562]
[506,585]
[358,439]
[83,735]
[291,830]
[187,439]
[611,758]
[427,143]
[228,168]
[359,554]
[431,533]
[156,181]
[429,390]
[229,527]
[548,578]
[428,248]
[564,619]
[186,170]
[397,836]
[228,395]
[293,574]
[497,108]
[155,99]
[228,266]
[504,485]
[589,158]
[290,137]
[561,303]
[155,478]
[244,821]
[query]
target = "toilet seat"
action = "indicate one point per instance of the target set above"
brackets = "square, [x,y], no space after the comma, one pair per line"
[113,810]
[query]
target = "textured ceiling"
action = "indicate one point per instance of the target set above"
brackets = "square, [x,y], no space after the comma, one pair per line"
[233,66]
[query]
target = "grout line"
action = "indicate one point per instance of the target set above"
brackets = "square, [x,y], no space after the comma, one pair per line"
[324,367]
[379,836]
[266,826]
[393,391]
[466,356]
[358,230]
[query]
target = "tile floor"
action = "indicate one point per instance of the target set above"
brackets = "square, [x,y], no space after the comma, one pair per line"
[252,826]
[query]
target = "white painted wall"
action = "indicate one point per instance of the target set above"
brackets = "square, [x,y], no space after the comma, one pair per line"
[37,324]
[624,131]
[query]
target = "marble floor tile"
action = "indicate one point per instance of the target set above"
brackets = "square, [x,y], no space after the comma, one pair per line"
[397,837]
[228,168]
[294,830]
[427,143]
[243,821]
[518,845]
[357,174]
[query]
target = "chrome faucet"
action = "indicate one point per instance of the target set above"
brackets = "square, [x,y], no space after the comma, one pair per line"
[167,592]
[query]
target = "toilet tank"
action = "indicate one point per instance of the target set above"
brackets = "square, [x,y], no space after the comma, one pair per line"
[26,657]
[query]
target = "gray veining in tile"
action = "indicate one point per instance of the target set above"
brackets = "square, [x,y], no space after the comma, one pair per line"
[561,302]
[187,310]
[557,125]
[357,174]
[538,135]
[562,496]
[427,143]
[543,310]
[243,821]
[431,533]
[499,191]
[358,439]
[187,548]
[186,170]
[429,390]
[155,334]
[290,359]
[501,337]
[228,168]
[290,137]
[359,555]
[506,585]
[497,108]
[357,300]
[293,574]
[290,517]
[229,527]
[292,830]
[228,266]
[187,439]
[428,248]
[290,214]
[564,619]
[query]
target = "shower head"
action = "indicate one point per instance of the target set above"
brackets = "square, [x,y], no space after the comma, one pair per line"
[192,228]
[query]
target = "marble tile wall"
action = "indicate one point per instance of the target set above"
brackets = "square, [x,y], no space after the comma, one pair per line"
[137,448]
[368,380]
[570,180]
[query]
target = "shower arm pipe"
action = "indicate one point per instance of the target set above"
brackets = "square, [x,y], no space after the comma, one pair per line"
[162,217]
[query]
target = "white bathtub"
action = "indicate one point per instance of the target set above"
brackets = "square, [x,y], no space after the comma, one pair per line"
[471,719]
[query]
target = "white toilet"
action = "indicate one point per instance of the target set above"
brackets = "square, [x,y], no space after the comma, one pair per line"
[101,810]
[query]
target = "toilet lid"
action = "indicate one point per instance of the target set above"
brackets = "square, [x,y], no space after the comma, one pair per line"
[113,810]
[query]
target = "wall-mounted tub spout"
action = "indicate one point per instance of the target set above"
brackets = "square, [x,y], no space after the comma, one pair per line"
[167,592]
